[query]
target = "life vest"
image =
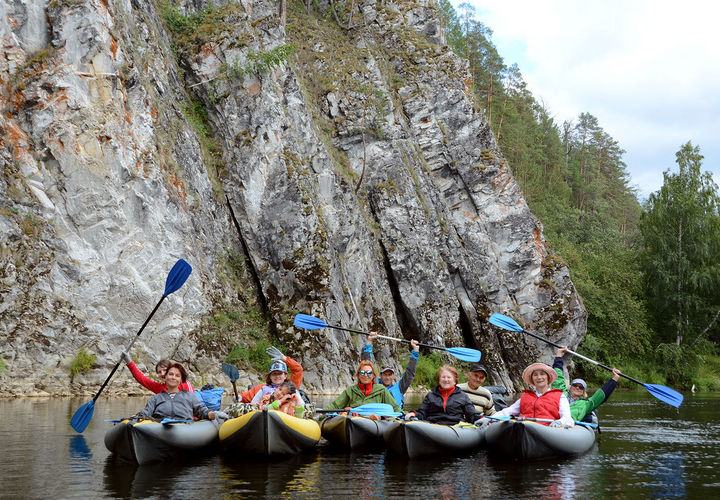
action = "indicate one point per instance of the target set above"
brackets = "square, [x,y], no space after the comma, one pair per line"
[545,406]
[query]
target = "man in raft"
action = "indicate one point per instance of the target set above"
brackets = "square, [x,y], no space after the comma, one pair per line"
[387,374]
[480,397]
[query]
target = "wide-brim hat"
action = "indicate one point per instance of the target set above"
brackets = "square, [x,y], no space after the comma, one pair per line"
[527,373]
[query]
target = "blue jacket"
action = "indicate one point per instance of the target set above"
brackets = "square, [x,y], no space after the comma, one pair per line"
[399,388]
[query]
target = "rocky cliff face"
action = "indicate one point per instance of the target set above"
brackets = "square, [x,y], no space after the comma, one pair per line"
[366,188]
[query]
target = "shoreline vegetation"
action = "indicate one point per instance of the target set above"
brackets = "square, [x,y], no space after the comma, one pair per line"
[645,269]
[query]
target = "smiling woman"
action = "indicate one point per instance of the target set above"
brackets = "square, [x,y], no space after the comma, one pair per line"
[365,391]
[174,403]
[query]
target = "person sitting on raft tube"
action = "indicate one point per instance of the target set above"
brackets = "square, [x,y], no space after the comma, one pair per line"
[387,374]
[446,404]
[176,403]
[481,398]
[277,374]
[160,369]
[542,401]
[285,399]
[581,406]
[365,391]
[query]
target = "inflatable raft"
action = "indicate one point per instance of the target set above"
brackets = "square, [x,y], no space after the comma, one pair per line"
[531,440]
[268,432]
[353,432]
[148,441]
[422,439]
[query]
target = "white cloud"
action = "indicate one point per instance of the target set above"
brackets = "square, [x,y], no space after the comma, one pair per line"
[648,70]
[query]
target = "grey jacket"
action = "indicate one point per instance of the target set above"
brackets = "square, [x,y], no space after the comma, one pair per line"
[183,405]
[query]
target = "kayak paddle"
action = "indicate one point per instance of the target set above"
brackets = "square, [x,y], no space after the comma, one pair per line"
[507,418]
[168,421]
[664,394]
[233,373]
[461,353]
[379,409]
[175,279]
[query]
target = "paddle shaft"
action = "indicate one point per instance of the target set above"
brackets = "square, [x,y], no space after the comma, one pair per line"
[388,338]
[531,419]
[117,365]
[596,363]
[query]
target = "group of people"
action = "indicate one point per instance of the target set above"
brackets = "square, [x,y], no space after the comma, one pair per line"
[449,403]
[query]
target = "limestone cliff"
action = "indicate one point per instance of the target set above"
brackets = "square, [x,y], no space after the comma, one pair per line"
[366,187]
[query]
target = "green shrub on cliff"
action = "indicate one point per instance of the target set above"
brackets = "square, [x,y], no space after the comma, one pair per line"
[3,366]
[81,363]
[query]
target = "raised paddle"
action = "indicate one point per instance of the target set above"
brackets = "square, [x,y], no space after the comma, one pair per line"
[507,418]
[233,374]
[461,353]
[175,279]
[664,394]
[379,409]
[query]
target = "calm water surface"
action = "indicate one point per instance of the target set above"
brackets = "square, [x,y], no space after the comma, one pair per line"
[646,450]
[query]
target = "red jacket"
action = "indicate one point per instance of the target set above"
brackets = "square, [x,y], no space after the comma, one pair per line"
[153,385]
[545,406]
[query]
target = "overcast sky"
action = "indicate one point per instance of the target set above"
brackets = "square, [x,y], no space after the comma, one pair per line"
[648,70]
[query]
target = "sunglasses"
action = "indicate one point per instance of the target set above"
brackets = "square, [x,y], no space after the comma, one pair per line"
[365,372]
[578,386]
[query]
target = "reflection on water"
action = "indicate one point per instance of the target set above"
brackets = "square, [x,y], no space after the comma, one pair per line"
[646,450]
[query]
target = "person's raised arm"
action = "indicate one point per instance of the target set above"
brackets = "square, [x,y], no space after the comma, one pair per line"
[367,352]
[409,373]
[144,381]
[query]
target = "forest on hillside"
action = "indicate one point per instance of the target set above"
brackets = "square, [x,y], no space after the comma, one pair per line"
[648,272]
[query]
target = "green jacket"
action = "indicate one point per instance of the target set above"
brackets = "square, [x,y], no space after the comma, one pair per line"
[353,396]
[582,407]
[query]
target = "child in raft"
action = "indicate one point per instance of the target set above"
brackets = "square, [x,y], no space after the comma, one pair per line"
[285,399]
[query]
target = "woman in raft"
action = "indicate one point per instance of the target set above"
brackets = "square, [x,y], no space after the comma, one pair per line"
[446,404]
[161,369]
[365,391]
[581,405]
[176,403]
[542,401]
[277,374]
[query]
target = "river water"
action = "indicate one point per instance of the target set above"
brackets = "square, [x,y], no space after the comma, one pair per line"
[646,449]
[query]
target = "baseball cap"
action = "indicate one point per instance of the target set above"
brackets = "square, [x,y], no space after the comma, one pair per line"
[579,381]
[278,366]
[477,367]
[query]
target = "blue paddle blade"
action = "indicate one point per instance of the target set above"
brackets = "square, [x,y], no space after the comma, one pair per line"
[465,353]
[379,409]
[309,322]
[82,416]
[504,322]
[168,421]
[177,276]
[665,394]
[502,418]
[231,371]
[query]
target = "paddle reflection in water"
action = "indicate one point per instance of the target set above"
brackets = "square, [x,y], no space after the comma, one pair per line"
[81,474]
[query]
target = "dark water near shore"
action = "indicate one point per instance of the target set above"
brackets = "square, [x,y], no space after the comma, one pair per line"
[646,450]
